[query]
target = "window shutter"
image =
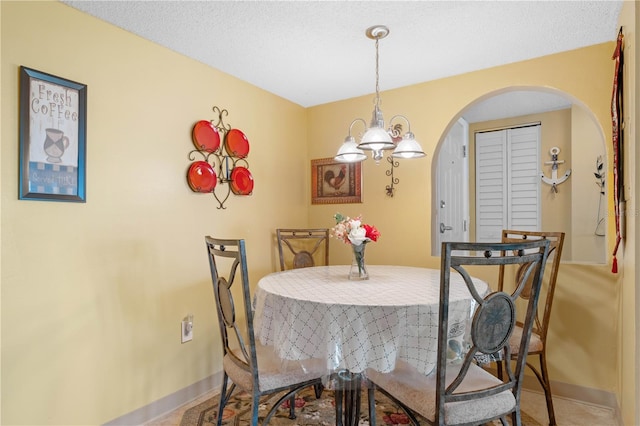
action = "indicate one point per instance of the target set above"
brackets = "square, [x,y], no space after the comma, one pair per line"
[507,182]
[524,179]
[491,185]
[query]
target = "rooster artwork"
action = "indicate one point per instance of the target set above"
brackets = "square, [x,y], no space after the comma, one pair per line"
[336,181]
[333,182]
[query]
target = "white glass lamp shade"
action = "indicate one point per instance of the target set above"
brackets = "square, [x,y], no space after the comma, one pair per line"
[376,139]
[408,148]
[349,152]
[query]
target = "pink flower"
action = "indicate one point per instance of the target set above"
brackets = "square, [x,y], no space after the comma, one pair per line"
[353,231]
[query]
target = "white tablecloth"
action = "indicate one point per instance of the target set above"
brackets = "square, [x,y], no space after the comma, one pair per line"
[354,325]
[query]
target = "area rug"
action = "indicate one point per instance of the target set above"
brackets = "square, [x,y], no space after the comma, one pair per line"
[309,411]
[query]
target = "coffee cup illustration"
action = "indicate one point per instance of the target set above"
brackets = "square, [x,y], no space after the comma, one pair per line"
[54,145]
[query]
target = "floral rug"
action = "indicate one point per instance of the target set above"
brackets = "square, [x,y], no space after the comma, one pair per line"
[309,411]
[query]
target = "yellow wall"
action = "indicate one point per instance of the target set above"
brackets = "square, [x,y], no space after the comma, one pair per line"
[93,294]
[585,311]
[588,239]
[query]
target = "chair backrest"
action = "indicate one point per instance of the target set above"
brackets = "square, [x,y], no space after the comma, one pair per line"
[556,240]
[228,264]
[301,248]
[494,318]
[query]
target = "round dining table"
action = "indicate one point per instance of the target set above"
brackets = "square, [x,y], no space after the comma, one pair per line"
[318,313]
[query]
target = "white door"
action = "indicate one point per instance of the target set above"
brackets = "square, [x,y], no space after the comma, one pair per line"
[452,188]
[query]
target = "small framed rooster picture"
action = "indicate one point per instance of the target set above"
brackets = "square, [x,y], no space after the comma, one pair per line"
[335,183]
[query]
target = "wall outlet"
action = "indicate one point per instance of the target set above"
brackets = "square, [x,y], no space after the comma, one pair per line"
[187,329]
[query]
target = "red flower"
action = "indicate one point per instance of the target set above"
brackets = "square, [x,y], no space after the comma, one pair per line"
[372,232]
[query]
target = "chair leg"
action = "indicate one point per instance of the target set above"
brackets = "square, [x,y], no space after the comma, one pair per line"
[546,385]
[339,395]
[292,407]
[223,399]
[516,418]
[356,391]
[372,404]
[318,390]
[255,404]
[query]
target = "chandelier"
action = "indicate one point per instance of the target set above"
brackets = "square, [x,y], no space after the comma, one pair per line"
[376,138]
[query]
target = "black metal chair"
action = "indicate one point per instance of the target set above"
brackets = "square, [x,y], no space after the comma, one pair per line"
[538,344]
[462,392]
[301,248]
[248,364]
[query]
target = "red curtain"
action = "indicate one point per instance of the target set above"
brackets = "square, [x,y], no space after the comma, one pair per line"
[617,118]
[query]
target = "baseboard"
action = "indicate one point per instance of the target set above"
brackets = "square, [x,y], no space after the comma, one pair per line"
[175,400]
[577,393]
[574,392]
[169,403]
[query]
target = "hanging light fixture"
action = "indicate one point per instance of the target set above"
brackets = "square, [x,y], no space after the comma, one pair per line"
[376,138]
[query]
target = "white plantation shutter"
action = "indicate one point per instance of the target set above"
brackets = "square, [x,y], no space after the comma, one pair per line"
[524,179]
[491,185]
[507,181]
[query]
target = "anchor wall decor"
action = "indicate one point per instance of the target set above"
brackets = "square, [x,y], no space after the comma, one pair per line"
[554,181]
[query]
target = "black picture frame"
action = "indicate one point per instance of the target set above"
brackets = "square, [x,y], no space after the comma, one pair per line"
[53,138]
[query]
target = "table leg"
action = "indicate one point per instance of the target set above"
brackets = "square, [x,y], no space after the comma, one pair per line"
[348,395]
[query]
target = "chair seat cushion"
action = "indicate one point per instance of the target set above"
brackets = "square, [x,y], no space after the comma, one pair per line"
[273,373]
[535,343]
[418,392]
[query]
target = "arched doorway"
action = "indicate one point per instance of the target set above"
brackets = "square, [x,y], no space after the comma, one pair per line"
[577,206]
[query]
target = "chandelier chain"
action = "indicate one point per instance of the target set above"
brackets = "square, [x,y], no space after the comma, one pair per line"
[377,74]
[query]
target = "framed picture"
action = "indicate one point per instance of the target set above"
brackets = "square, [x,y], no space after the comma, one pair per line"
[53,130]
[335,183]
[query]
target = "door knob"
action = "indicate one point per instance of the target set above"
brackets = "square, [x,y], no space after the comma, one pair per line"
[445,228]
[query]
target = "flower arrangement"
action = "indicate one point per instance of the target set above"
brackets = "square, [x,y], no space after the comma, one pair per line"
[357,234]
[353,231]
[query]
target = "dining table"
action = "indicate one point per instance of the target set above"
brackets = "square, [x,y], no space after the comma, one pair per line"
[317,313]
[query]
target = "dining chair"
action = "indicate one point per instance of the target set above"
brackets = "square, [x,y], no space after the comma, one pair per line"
[538,344]
[249,365]
[460,392]
[300,248]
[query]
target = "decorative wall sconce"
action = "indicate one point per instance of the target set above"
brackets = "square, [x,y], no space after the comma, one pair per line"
[229,159]
[376,138]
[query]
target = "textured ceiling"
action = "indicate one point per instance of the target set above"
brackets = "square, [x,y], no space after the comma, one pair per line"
[315,52]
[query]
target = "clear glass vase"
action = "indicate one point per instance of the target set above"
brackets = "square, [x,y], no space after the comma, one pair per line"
[358,269]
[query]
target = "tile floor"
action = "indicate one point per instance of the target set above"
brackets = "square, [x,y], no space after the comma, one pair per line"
[568,412]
